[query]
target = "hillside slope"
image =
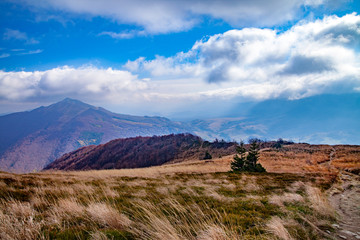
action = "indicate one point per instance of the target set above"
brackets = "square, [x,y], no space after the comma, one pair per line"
[141,152]
[31,140]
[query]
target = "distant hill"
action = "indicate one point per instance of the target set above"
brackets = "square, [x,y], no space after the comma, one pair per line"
[141,152]
[30,140]
[323,119]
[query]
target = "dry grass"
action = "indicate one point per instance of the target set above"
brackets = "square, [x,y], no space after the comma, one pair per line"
[106,215]
[249,184]
[177,221]
[276,227]
[18,221]
[197,167]
[216,232]
[319,201]
[285,198]
[200,201]
[70,207]
[97,235]
[347,158]
[109,192]
[163,190]
[140,193]
[190,192]
[304,158]
[213,194]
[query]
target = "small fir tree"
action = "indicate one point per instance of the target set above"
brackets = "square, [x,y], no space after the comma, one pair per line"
[247,163]
[207,156]
[237,165]
[253,157]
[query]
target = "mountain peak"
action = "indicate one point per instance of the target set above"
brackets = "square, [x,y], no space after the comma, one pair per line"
[69,100]
[66,108]
[72,101]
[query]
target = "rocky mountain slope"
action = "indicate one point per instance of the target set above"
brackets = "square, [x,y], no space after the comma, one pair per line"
[141,152]
[31,140]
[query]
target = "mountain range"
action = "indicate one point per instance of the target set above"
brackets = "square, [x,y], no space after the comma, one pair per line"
[31,140]
[323,119]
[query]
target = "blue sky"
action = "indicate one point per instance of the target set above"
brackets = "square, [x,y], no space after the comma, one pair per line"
[161,57]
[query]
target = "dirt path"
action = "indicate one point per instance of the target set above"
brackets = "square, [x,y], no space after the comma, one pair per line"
[345,198]
[328,162]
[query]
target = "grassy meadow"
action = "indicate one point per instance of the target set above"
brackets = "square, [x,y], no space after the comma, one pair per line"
[193,200]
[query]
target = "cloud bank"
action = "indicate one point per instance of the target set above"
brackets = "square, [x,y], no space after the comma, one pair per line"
[82,82]
[163,16]
[310,58]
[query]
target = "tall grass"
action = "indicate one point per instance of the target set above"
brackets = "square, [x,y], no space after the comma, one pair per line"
[186,205]
[173,220]
[17,221]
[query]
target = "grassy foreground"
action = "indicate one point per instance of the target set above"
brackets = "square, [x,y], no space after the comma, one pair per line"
[189,201]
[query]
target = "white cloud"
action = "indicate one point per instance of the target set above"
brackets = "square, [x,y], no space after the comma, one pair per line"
[161,67]
[162,16]
[134,65]
[68,81]
[11,34]
[20,52]
[31,52]
[314,2]
[308,59]
[124,34]
[4,55]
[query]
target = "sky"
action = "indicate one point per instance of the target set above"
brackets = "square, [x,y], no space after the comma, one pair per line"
[176,58]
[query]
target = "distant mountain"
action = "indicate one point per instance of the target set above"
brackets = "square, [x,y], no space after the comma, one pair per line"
[328,119]
[31,140]
[141,152]
[324,119]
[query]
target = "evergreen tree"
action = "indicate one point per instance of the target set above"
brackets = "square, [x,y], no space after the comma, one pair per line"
[247,163]
[207,156]
[237,165]
[253,157]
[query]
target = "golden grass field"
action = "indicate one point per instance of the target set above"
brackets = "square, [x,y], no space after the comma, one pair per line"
[189,200]
[305,158]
